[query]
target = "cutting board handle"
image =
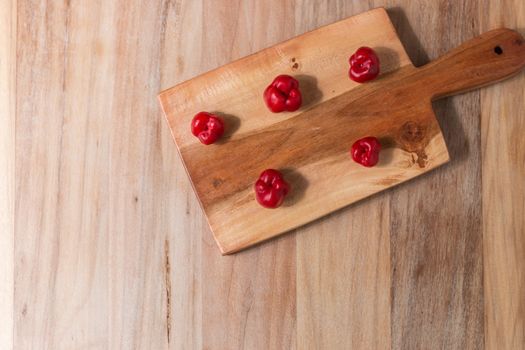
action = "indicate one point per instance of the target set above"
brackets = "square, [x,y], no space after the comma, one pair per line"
[488,58]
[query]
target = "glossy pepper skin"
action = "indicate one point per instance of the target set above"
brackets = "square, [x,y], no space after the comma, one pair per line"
[207,127]
[364,65]
[271,189]
[365,151]
[283,94]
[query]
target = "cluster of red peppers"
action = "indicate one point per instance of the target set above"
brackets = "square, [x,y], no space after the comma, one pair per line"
[282,95]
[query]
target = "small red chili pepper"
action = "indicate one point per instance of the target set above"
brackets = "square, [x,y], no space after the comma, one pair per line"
[207,127]
[366,151]
[364,65]
[271,189]
[283,94]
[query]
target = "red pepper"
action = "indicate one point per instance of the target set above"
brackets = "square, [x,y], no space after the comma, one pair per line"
[271,189]
[207,127]
[283,94]
[364,65]
[366,151]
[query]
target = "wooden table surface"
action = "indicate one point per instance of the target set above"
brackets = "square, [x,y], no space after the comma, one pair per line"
[107,248]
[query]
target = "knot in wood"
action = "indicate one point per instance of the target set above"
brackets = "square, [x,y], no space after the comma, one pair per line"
[412,132]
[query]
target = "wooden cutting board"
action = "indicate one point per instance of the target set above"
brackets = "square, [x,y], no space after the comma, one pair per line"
[311,146]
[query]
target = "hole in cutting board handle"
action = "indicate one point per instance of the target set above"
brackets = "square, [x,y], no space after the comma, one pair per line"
[498,50]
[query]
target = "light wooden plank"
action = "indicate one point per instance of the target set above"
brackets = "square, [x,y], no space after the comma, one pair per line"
[343,279]
[61,291]
[248,300]
[180,40]
[503,151]
[139,212]
[343,260]
[7,164]
[224,316]
[436,240]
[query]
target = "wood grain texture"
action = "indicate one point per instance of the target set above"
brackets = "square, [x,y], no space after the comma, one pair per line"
[343,303]
[260,314]
[7,164]
[503,182]
[335,297]
[137,220]
[94,270]
[61,210]
[87,277]
[346,293]
[181,36]
[246,300]
[436,240]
